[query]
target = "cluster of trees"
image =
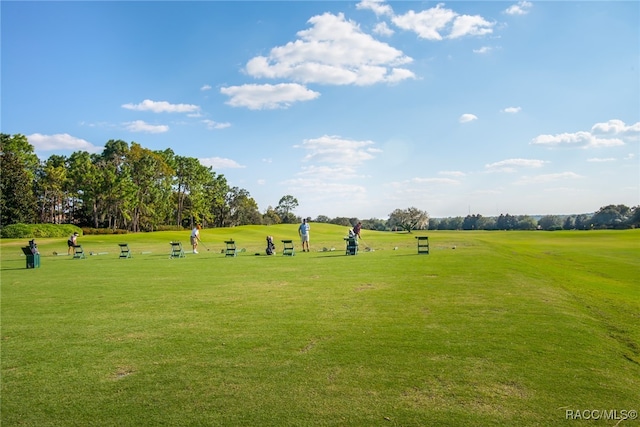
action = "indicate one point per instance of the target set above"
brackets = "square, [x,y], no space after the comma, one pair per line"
[132,188]
[610,216]
[400,219]
[125,187]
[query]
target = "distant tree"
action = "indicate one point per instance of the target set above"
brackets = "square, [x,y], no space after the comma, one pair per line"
[569,223]
[340,220]
[152,187]
[611,216]
[471,222]
[88,178]
[216,190]
[374,224]
[583,222]
[486,223]
[188,181]
[550,222]
[52,186]
[409,219]
[243,208]
[525,222]
[19,165]
[112,184]
[322,219]
[634,219]
[270,217]
[18,204]
[506,222]
[285,208]
[450,223]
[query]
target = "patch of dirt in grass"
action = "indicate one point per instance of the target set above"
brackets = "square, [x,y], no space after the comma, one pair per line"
[365,287]
[504,390]
[307,348]
[132,336]
[121,372]
[500,399]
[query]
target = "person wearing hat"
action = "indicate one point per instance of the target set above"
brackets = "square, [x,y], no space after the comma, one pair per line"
[73,240]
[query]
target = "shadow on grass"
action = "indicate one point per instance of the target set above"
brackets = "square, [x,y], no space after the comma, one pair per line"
[15,268]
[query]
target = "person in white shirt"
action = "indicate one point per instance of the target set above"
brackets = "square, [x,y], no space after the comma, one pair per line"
[195,238]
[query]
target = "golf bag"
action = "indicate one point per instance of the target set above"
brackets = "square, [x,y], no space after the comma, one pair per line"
[271,248]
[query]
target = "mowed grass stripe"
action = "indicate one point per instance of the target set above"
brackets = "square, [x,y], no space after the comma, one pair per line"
[507,328]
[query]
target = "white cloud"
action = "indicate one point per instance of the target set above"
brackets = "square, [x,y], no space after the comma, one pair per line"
[544,179]
[601,160]
[206,87]
[467,25]
[333,51]
[337,150]
[339,172]
[617,128]
[321,190]
[220,163]
[142,126]
[215,125]
[439,23]
[510,165]
[610,134]
[161,107]
[61,141]
[452,173]
[269,97]
[580,139]
[427,23]
[465,118]
[512,110]
[383,29]
[483,50]
[444,181]
[522,8]
[377,6]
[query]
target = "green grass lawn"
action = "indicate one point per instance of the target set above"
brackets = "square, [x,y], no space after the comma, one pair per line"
[489,329]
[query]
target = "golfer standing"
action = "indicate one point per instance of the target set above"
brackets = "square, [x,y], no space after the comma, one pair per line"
[195,238]
[357,228]
[71,242]
[303,231]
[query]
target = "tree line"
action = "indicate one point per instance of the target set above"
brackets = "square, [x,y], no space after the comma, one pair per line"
[126,187]
[610,216]
[129,187]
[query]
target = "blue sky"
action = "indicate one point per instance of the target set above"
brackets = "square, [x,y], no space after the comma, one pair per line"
[354,108]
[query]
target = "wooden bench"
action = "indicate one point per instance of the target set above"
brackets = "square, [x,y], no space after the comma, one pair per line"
[125,252]
[288,249]
[176,250]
